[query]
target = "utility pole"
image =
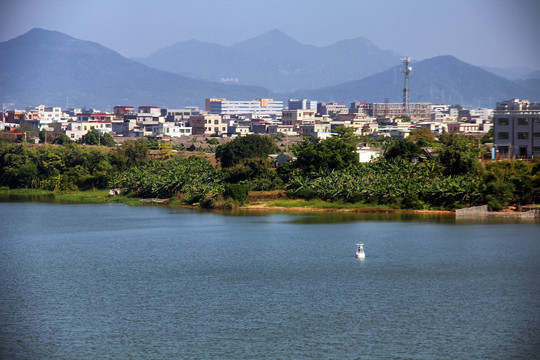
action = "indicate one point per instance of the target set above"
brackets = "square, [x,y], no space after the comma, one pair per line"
[406,71]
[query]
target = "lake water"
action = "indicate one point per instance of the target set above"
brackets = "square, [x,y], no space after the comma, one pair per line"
[111,281]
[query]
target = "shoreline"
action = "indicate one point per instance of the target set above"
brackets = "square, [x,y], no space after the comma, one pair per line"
[102,197]
[366,210]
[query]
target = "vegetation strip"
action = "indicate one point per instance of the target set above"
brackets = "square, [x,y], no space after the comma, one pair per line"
[326,172]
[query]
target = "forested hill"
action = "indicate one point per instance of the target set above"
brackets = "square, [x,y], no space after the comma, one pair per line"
[439,80]
[48,67]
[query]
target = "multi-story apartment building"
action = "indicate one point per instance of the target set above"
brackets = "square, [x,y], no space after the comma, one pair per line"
[517,128]
[121,111]
[48,114]
[149,113]
[476,115]
[298,116]
[76,130]
[14,116]
[95,117]
[464,128]
[332,108]
[419,111]
[207,124]
[387,110]
[171,129]
[176,115]
[302,104]
[253,108]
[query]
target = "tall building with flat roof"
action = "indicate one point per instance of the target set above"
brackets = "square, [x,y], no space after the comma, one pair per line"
[302,104]
[257,107]
[385,110]
[516,125]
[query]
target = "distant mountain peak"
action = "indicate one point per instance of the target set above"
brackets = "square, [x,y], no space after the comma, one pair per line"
[273,37]
[359,40]
[60,66]
[39,34]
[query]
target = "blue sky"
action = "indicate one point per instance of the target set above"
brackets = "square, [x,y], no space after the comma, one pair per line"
[498,33]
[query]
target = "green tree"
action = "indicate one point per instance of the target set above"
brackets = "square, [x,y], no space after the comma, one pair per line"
[459,155]
[131,153]
[423,135]
[403,149]
[247,169]
[346,134]
[330,154]
[95,137]
[18,166]
[107,140]
[487,137]
[245,147]
[62,139]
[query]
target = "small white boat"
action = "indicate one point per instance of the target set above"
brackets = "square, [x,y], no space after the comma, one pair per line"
[360,251]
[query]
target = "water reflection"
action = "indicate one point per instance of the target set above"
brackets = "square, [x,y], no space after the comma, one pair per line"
[305,217]
[17,198]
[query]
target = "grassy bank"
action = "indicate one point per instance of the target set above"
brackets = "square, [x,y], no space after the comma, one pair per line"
[87,197]
[337,206]
[320,204]
[103,197]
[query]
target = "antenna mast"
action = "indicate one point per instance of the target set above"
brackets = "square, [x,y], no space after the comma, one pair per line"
[406,71]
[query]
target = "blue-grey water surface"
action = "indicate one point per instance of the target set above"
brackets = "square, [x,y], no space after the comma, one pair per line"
[84,281]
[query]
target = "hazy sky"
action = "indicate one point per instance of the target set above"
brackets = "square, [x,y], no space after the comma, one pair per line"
[482,32]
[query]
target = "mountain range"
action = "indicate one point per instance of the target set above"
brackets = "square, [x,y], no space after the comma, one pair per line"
[274,60]
[48,67]
[439,80]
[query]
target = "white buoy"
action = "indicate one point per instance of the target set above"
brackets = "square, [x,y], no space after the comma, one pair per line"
[360,251]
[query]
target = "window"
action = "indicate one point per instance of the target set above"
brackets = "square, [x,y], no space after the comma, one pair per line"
[503,136]
[503,150]
[536,150]
[503,121]
[216,122]
[522,135]
[536,120]
[523,121]
[536,135]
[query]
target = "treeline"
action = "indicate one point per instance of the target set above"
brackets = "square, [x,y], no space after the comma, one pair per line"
[68,167]
[327,170]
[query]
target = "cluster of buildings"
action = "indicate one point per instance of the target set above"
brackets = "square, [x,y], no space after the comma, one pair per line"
[517,123]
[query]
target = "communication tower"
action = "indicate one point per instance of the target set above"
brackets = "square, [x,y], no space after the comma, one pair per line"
[406,71]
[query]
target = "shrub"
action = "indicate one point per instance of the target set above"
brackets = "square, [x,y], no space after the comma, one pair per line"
[237,192]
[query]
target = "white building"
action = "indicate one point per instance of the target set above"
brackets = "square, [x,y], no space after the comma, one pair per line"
[171,129]
[366,154]
[257,107]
